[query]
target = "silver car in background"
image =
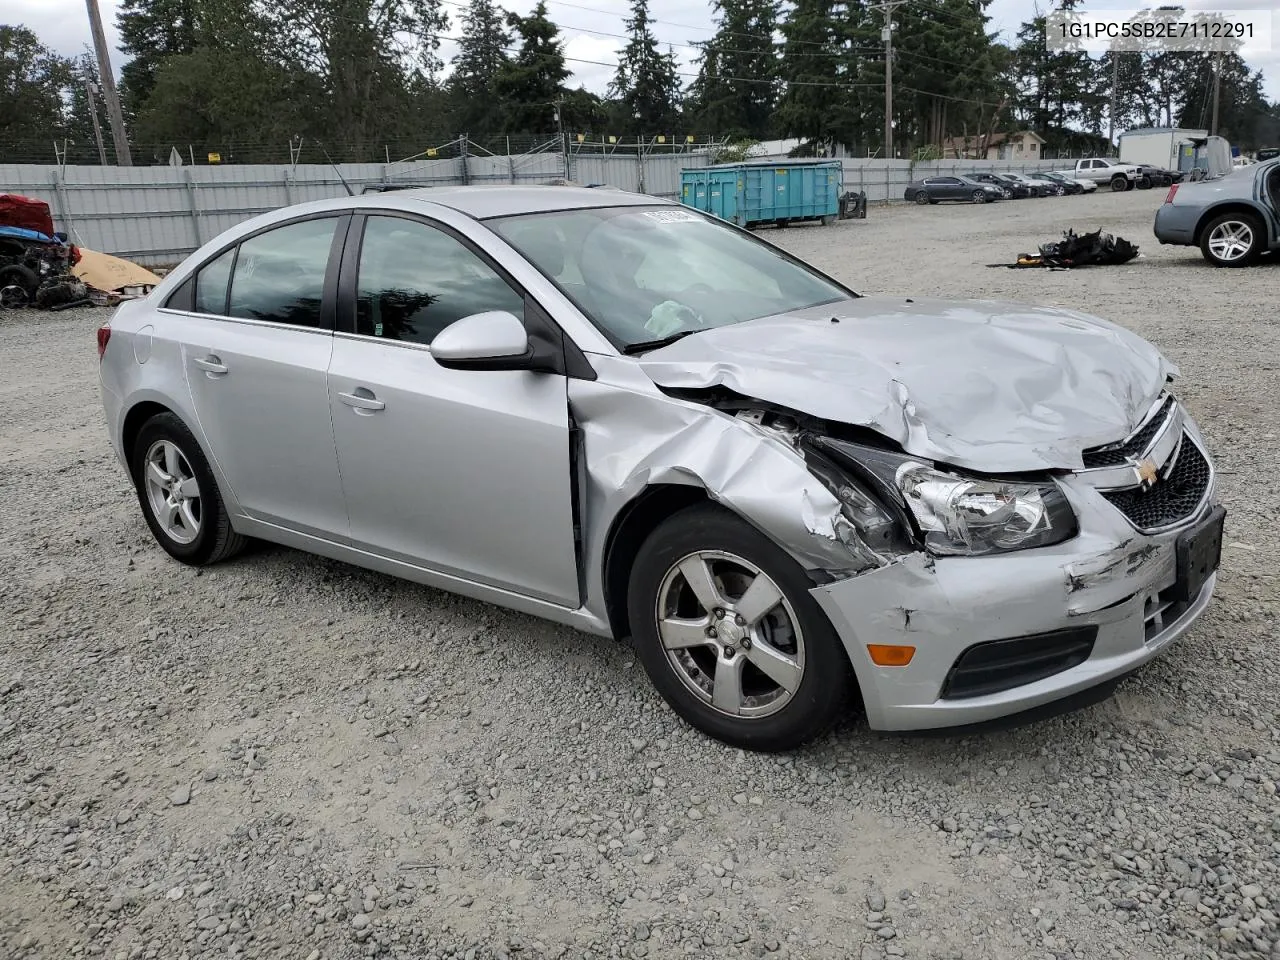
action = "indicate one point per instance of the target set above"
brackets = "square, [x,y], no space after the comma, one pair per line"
[1232,219]
[628,417]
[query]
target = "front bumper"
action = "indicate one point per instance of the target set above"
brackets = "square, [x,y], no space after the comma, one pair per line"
[1109,577]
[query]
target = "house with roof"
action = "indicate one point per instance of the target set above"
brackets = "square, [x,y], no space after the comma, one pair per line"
[1020,145]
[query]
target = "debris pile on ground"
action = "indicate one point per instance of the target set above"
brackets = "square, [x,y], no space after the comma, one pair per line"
[40,267]
[1095,249]
[113,275]
[32,254]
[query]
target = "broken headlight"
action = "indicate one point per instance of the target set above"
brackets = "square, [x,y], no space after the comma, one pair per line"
[959,515]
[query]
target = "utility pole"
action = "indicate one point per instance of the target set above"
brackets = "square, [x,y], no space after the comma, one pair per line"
[97,127]
[1115,82]
[564,146]
[108,81]
[887,7]
[1217,78]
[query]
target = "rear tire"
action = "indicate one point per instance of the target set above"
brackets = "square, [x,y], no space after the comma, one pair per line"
[922,197]
[744,603]
[1233,240]
[1144,183]
[179,495]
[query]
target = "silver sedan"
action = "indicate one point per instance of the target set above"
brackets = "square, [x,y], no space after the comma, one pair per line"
[630,418]
[1233,219]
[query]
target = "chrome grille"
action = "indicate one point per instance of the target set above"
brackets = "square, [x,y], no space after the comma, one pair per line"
[1135,446]
[1174,498]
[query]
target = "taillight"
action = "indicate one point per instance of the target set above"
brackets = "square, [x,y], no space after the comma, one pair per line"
[104,334]
[1173,191]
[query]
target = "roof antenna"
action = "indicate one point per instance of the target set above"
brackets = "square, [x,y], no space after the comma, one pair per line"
[350,192]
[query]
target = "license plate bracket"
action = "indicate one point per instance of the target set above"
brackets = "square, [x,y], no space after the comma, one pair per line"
[1199,552]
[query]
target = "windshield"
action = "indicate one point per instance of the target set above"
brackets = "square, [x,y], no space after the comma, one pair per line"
[645,274]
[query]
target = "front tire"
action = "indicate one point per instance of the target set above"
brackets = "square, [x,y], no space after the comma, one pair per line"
[1119,184]
[979,196]
[728,632]
[1233,240]
[178,494]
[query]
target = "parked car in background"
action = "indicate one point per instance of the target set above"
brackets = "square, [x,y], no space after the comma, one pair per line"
[1232,219]
[1068,184]
[639,421]
[1034,188]
[987,176]
[936,189]
[1121,176]
[1152,176]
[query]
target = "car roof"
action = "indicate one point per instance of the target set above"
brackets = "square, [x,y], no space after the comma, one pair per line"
[503,200]
[479,202]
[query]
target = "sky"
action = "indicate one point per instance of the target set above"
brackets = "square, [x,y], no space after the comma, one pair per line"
[586,26]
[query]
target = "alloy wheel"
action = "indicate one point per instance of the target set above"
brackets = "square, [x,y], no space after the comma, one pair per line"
[172,491]
[730,634]
[1231,240]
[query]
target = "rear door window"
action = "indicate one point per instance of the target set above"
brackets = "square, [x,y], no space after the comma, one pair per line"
[279,274]
[211,284]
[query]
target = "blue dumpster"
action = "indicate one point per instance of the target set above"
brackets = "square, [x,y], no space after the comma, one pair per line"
[759,191]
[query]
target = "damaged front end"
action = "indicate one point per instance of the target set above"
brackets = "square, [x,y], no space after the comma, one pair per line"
[1004,592]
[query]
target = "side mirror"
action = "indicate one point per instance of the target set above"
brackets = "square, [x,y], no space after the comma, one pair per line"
[495,340]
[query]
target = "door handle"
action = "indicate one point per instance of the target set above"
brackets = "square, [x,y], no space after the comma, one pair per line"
[211,365]
[362,401]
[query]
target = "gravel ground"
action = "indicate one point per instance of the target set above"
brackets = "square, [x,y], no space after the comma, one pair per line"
[289,757]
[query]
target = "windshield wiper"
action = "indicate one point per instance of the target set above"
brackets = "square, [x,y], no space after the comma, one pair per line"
[644,345]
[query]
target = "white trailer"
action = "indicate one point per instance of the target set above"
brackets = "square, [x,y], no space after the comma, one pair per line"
[1158,146]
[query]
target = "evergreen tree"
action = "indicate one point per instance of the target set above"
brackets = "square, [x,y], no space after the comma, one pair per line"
[150,31]
[736,90]
[533,80]
[482,55]
[372,60]
[33,83]
[647,84]
[1243,111]
[951,74]
[815,103]
[1059,90]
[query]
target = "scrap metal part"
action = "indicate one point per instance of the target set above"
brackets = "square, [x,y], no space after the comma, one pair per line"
[1095,249]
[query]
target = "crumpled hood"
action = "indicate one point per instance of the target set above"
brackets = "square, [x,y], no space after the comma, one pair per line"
[991,386]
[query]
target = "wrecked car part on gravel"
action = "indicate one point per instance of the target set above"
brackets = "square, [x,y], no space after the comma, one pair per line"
[628,417]
[1095,249]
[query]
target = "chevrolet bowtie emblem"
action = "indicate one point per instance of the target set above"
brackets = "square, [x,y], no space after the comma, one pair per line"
[1148,473]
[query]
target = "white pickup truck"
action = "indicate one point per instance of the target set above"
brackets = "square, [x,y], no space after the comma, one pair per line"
[1121,176]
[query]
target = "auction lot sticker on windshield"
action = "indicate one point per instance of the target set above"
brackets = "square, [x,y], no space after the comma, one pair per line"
[1161,30]
[672,216]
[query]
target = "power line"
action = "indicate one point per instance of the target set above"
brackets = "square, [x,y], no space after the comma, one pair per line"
[698,45]
[601,63]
